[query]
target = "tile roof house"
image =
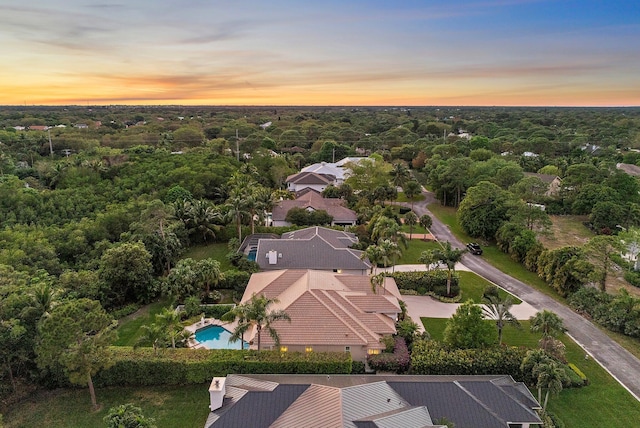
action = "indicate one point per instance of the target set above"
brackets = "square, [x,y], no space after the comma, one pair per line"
[329,312]
[312,200]
[553,181]
[373,401]
[629,169]
[312,248]
[312,180]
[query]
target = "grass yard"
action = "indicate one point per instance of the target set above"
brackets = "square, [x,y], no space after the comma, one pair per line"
[603,403]
[217,251]
[129,329]
[403,198]
[411,255]
[473,286]
[170,406]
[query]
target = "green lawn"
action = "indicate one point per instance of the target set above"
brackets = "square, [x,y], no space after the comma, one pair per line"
[411,255]
[129,329]
[603,403]
[218,251]
[170,406]
[473,286]
[403,198]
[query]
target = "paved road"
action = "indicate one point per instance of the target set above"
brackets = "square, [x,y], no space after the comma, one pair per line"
[619,362]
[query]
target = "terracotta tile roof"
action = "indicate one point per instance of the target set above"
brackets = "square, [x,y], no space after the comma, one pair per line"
[314,200]
[323,309]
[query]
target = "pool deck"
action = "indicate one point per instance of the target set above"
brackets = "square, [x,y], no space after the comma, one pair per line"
[205,322]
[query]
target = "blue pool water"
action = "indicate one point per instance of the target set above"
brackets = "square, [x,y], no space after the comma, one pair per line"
[216,337]
[252,254]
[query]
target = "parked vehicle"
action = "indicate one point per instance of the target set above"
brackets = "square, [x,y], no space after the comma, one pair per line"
[474,248]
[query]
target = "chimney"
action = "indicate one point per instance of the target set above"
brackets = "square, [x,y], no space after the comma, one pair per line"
[216,392]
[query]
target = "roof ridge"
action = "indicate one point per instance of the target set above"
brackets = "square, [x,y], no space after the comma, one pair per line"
[336,314]
[480,402]
[362,325]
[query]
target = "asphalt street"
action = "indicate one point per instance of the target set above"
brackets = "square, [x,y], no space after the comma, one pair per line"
[619,362]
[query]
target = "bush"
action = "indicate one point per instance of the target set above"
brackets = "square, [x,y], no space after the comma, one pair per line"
[432,358]
[632,277]
[357,367]
[423,282]
[142,366]
[124,311]
[215,311]
[397,362]
[583,377]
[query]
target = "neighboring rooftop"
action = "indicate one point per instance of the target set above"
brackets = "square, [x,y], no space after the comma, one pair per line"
[310,199]
[629,169]
[374,401]
[312,248]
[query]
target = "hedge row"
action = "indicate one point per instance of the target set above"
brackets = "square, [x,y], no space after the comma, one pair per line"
[142,366]
[424,282]
[432,358]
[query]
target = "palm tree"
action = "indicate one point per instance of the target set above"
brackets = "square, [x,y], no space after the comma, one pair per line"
[498,310]
[411,190]
[210,274]
[44,296]
[399,174]
[426,221]
[389,253]
[374,254]
[238,314]
[155,335]
[255,312]
[548,323]
[550,376]
[169,321]
[428,257]
[203,218]
[377,281]
[411,219]
[237,210]
[449,256]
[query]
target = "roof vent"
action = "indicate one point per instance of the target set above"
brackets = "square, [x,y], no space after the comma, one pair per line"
[272,255]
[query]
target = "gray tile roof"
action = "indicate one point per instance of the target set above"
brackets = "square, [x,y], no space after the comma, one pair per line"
[375,402]
[312,248]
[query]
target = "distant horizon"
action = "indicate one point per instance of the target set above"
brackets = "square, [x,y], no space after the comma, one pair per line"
[322,106]
[508,53]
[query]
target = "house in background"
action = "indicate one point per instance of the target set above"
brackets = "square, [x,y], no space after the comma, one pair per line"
[311,180]
[312,248]
[553,182]
[629,168]
[373,401]
[329,312]
[338,169]
[312,200]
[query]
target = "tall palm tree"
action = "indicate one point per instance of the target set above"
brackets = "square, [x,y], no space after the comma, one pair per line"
[237,210]
[374,254]
[210,274]
[203,218]
[389,253]
[550,376]
[411,190]
[548,323]
[498,309]
[169,321]
[449,256]
[239,314]
[428,257]
[411,219]
[256,313]
[44,296]
[377,281]
[400,174]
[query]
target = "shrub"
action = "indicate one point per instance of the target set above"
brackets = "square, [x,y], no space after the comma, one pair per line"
[187,366]
[124,311]
[424,282]
[215,311]
[432,358]
[397,362]
[585,380]
[632,277]
[357,367]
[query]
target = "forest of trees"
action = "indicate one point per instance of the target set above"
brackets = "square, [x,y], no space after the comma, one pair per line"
[101,206]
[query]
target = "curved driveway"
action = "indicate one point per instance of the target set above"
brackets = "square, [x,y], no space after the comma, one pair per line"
[619,362]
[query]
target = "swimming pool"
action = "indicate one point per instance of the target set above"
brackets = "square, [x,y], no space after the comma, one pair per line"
[216,337]
[252,254]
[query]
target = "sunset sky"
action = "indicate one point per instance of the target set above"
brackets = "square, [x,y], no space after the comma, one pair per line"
[279,52]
